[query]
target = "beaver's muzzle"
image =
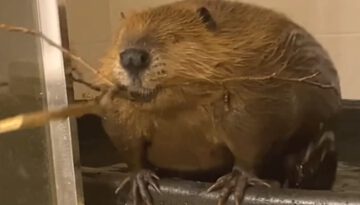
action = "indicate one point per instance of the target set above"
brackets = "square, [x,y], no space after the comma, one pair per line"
[134,61]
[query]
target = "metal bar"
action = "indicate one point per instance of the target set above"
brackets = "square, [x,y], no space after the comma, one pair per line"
[67,190]
[99,188]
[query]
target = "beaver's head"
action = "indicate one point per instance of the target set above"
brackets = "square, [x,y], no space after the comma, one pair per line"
[165,46]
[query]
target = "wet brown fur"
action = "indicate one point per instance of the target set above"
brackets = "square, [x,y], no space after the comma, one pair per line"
[206,109]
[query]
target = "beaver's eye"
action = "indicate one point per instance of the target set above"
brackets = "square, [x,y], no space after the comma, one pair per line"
[206,18]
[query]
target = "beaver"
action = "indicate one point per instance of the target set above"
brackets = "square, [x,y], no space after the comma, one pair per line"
[220,91]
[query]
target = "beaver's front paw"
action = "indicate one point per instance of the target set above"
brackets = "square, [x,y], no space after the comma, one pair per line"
[140,182]
[235,183]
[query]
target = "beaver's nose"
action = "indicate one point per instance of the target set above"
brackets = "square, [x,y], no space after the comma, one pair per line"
[134,60]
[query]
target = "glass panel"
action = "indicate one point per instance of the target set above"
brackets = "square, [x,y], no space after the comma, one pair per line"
[26,169]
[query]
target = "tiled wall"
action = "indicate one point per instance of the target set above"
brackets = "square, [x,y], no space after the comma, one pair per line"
[335,23]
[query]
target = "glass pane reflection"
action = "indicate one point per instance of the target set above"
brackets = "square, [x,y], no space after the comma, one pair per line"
[26,172]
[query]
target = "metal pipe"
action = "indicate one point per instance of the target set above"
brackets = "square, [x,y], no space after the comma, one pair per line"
[99,189]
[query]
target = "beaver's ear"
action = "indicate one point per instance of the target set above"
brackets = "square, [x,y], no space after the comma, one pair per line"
[206,18]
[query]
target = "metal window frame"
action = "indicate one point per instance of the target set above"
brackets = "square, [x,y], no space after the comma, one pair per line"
[67,176]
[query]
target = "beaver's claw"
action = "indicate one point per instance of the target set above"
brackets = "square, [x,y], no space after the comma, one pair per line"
[139,187]
[236,182]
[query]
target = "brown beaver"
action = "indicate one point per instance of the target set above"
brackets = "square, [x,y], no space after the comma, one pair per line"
[216,88]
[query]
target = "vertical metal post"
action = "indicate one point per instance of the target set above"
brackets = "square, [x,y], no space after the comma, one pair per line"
[67,181]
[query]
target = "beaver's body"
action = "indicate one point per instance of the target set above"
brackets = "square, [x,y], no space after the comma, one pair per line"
[198,113]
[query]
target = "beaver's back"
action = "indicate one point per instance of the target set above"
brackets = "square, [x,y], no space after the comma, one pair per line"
[255,33]
[265,41]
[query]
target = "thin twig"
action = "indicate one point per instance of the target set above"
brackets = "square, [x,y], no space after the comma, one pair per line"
[321,85]
[81,81]
[266,77]
[11,28]
[301,79]
[305,79]
[40,118]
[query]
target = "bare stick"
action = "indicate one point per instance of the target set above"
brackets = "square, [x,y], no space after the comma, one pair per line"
[274,75]
[266,77]
[11,28]
[81,81]
[306,79]
[40,118]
